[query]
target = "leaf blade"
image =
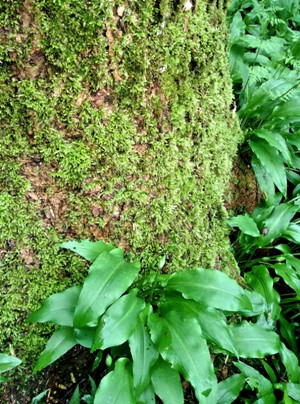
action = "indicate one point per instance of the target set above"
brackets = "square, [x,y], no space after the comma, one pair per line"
[264,385]
[252,341]
[272,162]
[207,285]
[8,362]
[212,322]
[180,342]
[246,224]
[229,389]
[109,277]
[143,351]
[289,275]
[61,341]
[261,281]
[118,322]
[58,308]
[278,222]
[291,363]
[90,250]
[166,383]
[116,387]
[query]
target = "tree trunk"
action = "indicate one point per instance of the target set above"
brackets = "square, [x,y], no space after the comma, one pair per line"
[116,125]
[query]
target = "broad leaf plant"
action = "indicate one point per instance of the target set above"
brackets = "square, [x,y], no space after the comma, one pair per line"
[167,325]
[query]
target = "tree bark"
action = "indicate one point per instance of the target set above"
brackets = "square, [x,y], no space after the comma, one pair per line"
[117,125]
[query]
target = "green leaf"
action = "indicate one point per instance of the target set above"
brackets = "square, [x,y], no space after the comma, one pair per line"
[117,386]
[37,399]
[278,222]
[8,362]
[246,224]
[269,371]
[295,164]
[291,363]
[58,308]
[209,287]
[263,177]
[118,322]
[293,261]
[89,398]
[287,111]
[230,388]
[272,162]
[147,396]
[239,70]
[276,140]
[262,282]
[237,27]
[144,353]
[61,341]
[109,277]
[212,322]
[293,139]
[178,336]
[261,213]
[289,275]
[288,333]
[284,248]
[263,385]
[251,58]
[292,233]
[97,360]
[75,399]
[258,304]
[89,250]
[215,329]
[85,336]
[293,177]
[93,385]
[252,341]
[166,383]
[293,390]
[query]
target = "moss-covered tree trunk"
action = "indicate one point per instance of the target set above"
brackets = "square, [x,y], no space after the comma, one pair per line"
[116,125]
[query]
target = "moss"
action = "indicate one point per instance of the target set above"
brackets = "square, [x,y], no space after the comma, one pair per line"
[116,126]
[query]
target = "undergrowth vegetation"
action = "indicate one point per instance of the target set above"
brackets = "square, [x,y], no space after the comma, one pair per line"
[159,328]
[265,66]
[264,60]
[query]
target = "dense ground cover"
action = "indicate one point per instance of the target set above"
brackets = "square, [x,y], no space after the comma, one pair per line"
[264,58]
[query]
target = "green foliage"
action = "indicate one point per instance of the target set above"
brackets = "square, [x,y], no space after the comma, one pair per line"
[265,72]
[265,254]
[167,322]
[38,399]
[7,362]
[230,388]
[264,59]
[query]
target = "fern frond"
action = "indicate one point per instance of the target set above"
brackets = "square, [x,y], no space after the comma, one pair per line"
[295,64]
[274,47]
[258,74]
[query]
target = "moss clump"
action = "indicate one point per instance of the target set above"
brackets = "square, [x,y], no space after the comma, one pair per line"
[116,125]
